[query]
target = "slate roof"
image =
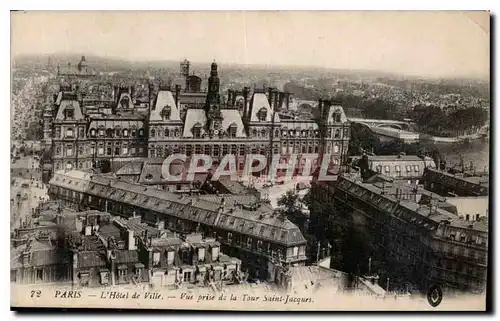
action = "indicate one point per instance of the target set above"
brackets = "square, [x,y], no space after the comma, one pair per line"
[415,213]
[72,105]
[91,259]
[197,210]
[126,256]
[163,99]
[469,184]
[193,117]
[259,101]
[233,117]
[133,168]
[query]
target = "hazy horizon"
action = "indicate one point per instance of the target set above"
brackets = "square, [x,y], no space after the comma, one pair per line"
[419,44]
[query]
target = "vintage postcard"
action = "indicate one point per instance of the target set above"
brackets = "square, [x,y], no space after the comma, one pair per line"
[246,160]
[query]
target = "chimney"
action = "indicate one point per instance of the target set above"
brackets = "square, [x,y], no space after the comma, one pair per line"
[287,96]
[150,92]
[131,240]
[229,97]
[233,102]
[177,93]
[282,97]
[245,102]
[270,96]
[276,99]
[26,257]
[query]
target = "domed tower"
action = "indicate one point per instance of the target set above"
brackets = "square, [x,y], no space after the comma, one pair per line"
[82,65]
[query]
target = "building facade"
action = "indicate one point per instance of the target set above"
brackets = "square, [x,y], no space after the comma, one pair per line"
[416,244]
[252,232]
[86,132]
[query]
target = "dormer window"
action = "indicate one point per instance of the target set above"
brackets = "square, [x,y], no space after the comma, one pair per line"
[109,133]
[337,117]
[166,112]
[197,130]
[337,133]
[170,257]
[69,113]
[167,132]
[156,259]
[215,253]
[201,254]
[232,130]
[124,102]
[262,114]
[153,133]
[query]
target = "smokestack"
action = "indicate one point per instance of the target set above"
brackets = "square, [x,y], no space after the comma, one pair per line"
[177,93]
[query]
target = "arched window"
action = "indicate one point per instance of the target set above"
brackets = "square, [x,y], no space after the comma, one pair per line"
[254,133]
[166,112]
[337,117]
[336,148]
[263,133]
[232,130]
[117,132]
[167,132]
[125,132]
[176,133]
[276,133]
[109,133]
[153,132]
[337,133]
[69,132]
[262,114]
[92,132]
[197,130]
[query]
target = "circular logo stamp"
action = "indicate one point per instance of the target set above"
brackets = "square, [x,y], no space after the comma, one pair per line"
[435,296]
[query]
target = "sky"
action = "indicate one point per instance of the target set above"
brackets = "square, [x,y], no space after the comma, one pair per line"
[438,44]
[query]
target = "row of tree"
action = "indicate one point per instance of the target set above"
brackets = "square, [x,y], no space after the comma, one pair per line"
[433,120]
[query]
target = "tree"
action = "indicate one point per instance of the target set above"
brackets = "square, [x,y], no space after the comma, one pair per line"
[291,207]
[362,138]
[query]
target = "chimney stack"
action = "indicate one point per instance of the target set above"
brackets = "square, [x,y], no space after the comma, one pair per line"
[245,101]
[276,99]
[177,93]
[229,97]
[287,96]
[131,240]
[270,96]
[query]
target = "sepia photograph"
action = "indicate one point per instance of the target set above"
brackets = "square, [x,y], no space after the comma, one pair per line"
[250,160]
